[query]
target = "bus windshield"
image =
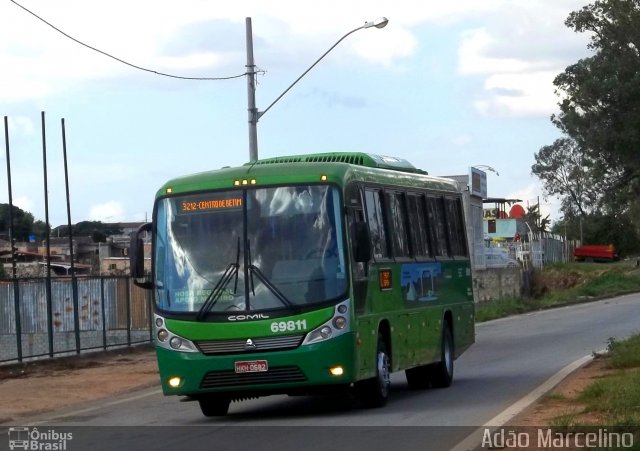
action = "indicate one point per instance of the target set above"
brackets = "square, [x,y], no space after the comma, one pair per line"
[249,250]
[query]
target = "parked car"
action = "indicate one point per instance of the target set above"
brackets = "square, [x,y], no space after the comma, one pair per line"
[495,257]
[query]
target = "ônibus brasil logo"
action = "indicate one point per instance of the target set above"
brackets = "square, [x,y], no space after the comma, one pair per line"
[34,439]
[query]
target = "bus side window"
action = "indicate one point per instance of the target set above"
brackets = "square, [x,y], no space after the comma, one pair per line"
[355,217]
[398,223]
[375,218]
[456,230]
[418,229]
[437,225]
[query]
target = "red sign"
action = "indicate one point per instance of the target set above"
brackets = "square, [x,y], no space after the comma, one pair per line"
[384,279]
[252,366]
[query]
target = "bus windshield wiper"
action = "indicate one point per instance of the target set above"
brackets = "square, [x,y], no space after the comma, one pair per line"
[216,293]
[267,283]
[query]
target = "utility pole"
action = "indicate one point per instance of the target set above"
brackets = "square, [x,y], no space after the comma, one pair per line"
[251,95]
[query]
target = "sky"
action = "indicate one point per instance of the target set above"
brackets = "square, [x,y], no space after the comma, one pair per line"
[446,85]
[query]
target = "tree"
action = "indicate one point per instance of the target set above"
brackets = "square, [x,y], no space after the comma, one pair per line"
[601,229]
[97,230]
[564,170]
[23,224]
[533,217]
[595,167]
[600,108]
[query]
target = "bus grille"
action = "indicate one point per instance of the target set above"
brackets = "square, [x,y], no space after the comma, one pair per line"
[213,347]
[229,378]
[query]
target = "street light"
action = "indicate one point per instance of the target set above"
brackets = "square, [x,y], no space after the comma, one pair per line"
[484,166]
[254,114]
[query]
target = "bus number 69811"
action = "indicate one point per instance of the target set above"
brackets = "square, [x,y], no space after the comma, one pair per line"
[288,326]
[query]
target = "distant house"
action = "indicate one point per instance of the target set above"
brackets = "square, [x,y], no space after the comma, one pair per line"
[89,258]
[500,224]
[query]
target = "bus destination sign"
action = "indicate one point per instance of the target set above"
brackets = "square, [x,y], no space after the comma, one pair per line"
[193,206]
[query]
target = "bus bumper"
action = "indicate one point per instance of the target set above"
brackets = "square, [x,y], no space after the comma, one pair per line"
[302,370]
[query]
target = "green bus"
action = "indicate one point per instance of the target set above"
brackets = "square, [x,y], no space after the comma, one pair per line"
[307,274]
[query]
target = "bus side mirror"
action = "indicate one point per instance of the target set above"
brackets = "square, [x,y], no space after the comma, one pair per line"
[136,257]
[361,242]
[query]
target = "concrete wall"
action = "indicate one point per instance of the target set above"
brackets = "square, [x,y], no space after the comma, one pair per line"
[496,283]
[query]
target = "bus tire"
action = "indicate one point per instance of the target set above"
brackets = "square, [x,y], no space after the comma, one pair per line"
[374,392]
[442,372]
[214,406]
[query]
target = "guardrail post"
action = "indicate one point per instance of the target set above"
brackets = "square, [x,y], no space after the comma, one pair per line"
[128,291]
[18,317]
[76,313]
[104,316]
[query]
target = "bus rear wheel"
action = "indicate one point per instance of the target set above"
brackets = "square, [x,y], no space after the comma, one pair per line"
[374,392]
[214,405]
[441,373]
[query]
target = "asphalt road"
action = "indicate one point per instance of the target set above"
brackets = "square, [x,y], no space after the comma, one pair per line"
[511,357]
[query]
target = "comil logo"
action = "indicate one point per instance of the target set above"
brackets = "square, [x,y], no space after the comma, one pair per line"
[34,439]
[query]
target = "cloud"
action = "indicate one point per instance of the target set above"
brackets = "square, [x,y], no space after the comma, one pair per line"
[198,37]
[386,46]
[23,202]
[22,125]
[111,211]
[517,94]
[335,98]
[517,55]
[530,196]
[461,140]
[513,54]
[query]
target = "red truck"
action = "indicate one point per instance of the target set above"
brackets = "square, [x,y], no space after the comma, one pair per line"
[595,252]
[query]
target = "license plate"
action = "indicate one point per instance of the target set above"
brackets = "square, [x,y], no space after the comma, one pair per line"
[252,366]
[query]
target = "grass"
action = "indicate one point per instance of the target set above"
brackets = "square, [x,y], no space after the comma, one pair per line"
[616,398]
[499,308]
[564,421]
[613,399]
[567,283]
[554,397]
[625,354]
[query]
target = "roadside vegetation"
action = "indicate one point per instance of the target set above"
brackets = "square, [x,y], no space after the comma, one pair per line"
[611,400]
[567,283]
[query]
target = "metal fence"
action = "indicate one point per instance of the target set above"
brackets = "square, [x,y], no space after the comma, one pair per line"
[543,248]
[43,318]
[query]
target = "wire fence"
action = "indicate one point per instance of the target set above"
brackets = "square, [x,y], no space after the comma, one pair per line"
[47,317]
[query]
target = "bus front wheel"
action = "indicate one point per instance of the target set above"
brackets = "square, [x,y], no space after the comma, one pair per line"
[374,392]
[214,406]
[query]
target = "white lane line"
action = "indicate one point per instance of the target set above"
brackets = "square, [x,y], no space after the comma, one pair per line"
[474,440]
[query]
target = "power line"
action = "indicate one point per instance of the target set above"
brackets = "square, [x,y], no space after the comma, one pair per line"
[121,60]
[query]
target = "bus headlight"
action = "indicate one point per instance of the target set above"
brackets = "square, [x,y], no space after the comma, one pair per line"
[337,325]
[339,322]
[168,340]
[175,342]
[163,335]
